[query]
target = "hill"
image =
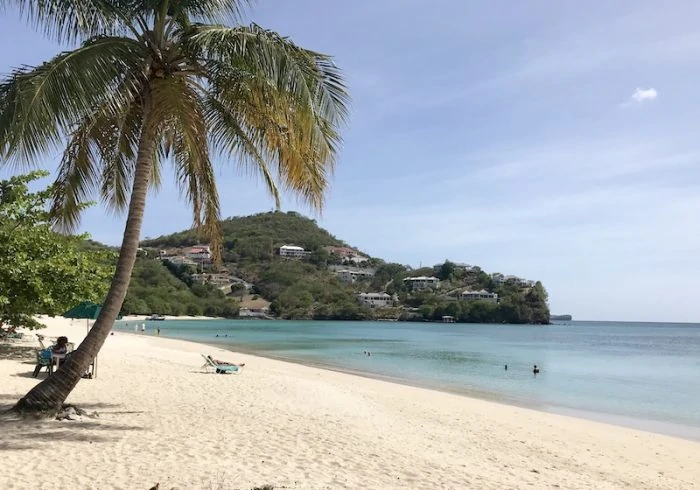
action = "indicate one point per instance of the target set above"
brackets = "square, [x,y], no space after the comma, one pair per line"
[300,270]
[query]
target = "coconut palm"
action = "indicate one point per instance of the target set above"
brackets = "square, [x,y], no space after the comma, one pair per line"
[156,81]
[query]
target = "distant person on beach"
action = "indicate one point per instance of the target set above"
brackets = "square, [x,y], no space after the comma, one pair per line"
[535,370]
[506,367]
[143,327]
[158,331]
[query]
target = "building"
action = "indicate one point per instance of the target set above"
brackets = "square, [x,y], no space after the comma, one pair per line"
[216,279]
[376,300]
[347,254]
[349,277]
[498,278]
[201,254]
[482,295]
[293,251]
[180,260]
[422,282]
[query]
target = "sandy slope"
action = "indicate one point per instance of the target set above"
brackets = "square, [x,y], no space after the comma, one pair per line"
[163,420]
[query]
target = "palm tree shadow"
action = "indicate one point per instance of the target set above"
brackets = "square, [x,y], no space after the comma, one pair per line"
[30,434]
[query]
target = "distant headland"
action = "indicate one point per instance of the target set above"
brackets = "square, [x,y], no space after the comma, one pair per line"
[561,318]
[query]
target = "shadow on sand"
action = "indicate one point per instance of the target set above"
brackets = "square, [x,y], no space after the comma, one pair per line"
[27,433]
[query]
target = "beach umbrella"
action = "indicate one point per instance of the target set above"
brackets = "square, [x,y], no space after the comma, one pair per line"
[86,309]
[89,311]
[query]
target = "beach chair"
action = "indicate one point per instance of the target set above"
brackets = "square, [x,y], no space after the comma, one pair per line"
[218,368]
[42,361]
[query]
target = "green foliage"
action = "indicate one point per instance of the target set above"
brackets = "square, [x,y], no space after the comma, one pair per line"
[154,289]
[305,288]
[42,272]
[446,270]
[258,237]
[296,288]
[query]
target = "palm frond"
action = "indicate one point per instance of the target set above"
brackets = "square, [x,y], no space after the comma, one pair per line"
[178,105]
[99,157]
[288,101]
[38,105]
[230,137]
[289,135]
[68,21]
[310,76]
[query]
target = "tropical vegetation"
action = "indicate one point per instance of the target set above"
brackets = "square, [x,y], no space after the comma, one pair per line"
[309,288]
[41,271]
[156,81]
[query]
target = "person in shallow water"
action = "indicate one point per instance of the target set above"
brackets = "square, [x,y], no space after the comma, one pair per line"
[535,370]
[506,367]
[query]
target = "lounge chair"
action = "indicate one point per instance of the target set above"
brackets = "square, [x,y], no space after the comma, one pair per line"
[41,362]
[218,368]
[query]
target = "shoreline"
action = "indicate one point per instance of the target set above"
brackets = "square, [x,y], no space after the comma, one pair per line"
[673,429]
[670,429]
[162,419]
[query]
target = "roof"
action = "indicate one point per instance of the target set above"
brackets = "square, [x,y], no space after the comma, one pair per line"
[292,247]
[421,278]
[483,291]
[383,295]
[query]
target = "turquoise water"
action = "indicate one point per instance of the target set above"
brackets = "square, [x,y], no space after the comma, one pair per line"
[644,375]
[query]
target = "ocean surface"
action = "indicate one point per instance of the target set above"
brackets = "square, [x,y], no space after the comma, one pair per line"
[643,375]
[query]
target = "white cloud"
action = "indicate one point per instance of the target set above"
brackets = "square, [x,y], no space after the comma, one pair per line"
[642,94]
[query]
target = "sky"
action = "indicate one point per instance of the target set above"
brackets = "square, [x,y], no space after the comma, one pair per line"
[553,140]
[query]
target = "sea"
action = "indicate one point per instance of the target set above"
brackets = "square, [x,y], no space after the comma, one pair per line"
[640,375]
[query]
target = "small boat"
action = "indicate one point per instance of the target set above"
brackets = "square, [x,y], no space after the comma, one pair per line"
[155,318]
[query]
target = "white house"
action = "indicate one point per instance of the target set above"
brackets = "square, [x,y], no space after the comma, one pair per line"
[422,282]
[292,251]
[350,277]
[482,295]
[376,300]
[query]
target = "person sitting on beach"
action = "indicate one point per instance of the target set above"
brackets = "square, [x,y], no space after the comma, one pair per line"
[225,363]
[61,346]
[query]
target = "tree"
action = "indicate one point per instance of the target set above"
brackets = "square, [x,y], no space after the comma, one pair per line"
[149,82]
[42,272]
[446,270]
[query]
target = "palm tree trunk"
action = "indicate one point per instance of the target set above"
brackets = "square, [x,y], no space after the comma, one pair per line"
[48,396]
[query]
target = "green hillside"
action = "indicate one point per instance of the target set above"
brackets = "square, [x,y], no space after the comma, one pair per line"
[295,288]
[307,287]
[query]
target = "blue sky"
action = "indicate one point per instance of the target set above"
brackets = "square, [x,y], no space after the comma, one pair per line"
[555,140]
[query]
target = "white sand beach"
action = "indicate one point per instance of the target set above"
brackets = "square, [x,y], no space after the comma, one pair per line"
[161,419]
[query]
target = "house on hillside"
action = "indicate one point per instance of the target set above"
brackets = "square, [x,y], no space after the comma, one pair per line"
[349,276]
[216,279]
[422,282]
[347,254]
[293,251]
[376,300]
[180,260]
[482,295]
[498,278]
[201,254]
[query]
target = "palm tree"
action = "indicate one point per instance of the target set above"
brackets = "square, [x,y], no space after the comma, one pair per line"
[157,81]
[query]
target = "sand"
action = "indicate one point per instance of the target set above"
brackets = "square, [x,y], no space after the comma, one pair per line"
[162,419]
